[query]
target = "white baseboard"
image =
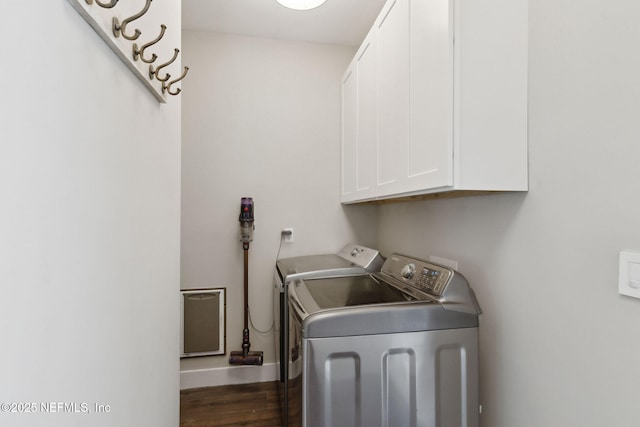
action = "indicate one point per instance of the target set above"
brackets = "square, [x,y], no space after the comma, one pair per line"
[198,378]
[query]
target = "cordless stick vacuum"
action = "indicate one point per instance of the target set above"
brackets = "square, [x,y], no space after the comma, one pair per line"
[246,357]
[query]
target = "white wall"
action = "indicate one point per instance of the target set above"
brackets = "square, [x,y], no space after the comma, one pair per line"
[559,346]
[261,118]
[89,226]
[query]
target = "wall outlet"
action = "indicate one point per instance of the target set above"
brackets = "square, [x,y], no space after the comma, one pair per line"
[287,235]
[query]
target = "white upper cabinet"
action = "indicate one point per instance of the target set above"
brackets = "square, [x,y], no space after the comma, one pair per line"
[436,101]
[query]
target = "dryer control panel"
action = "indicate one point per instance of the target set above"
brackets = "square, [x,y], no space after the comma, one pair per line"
[362,256]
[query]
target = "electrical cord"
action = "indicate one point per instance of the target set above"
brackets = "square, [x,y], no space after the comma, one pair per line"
[280,247]
[258,330]
[272,323]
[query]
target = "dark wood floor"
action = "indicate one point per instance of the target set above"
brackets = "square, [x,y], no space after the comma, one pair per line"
[254,405]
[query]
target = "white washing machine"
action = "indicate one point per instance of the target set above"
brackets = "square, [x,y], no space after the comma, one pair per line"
[351,260]
[397,348]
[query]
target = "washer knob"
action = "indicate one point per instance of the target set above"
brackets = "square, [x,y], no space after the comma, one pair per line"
[355,252]
[408,271]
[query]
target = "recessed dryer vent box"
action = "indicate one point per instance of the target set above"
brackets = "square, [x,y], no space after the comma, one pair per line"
[203,322]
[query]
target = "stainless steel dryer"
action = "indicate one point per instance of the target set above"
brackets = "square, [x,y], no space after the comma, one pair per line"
[351,260]
[396,348]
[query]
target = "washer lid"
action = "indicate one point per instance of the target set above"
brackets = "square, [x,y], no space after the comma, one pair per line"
[348,292]
[349,306]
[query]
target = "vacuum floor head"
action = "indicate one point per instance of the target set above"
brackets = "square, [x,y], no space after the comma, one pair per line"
[251,358]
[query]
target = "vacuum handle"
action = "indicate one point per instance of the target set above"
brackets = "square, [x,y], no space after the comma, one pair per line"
[246,289]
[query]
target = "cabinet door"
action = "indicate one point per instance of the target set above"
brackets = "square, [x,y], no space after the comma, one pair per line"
[430,153]
[393,98]
[367,117]
[349,134]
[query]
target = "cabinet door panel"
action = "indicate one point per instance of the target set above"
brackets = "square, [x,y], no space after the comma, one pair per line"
[430,154]
[393,97]
[367,112]
[349,135]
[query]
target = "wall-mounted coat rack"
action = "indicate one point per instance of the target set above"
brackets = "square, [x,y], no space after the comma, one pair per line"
[129,43]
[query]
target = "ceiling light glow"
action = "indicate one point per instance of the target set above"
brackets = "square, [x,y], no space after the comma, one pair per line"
[301,4]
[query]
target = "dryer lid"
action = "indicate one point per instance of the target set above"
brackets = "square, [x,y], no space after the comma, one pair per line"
[349,261]
[315,266]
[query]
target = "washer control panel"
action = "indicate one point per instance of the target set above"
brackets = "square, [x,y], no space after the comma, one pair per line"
[424,276]
[428,282]
[433,279]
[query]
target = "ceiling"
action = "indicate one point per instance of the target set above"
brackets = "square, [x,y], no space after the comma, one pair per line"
[343,22]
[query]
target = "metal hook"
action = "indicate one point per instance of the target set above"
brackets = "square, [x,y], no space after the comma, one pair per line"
[167,87]
[155,72]
[109,5]
[139,53]
[120,28]
[105,5]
